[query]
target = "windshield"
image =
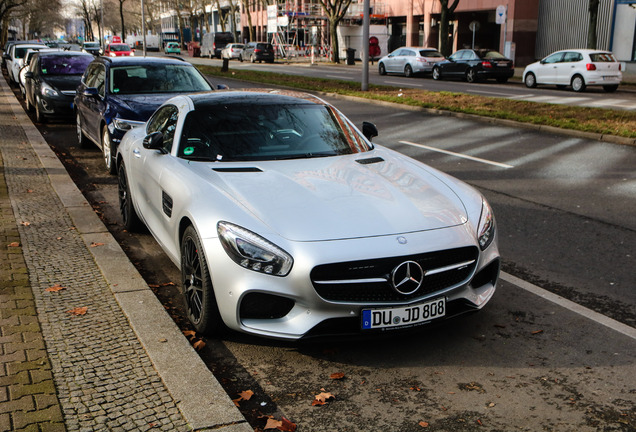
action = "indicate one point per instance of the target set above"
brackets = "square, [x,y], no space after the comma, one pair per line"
[91,45]
[156,78]
[250,132]
[119,47]
[485,54]
[20,52]
[426,53]
[64,64]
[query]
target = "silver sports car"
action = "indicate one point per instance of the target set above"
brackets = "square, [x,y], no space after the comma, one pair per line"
[287,222]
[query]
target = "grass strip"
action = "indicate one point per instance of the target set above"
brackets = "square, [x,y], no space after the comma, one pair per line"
[596,120]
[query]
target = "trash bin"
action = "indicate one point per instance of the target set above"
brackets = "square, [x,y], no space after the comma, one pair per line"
[351,55]
[194,49]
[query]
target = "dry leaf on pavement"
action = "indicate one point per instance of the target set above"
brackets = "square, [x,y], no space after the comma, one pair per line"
[337,375]
[55,288]
[78,311]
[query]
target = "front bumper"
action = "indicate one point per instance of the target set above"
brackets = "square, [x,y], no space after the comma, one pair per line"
[308,314]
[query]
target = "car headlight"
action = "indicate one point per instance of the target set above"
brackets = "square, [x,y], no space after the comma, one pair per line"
[48,91]
[486,228]
[126,125]
[252,251]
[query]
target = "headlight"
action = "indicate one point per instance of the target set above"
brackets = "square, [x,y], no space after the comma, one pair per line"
[112,54]
[252,251]
[48,91]
[486,229]
[125,125]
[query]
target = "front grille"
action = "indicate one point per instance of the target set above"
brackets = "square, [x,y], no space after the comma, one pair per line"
[369,281]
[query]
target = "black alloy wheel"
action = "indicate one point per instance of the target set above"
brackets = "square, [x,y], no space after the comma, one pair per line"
[196,285]
[129,216]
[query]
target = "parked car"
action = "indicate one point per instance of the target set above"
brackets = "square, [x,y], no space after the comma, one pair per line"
[25,67]
[92,48]
[15,58]
[576,68]
[51,81]
[232,51]
[118,93]
[409,61]
[118,50]
[258,52]
[475,65]
[172,48]
[287,222]
[212,43]
[7,48]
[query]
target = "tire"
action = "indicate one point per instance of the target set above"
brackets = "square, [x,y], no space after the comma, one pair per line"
[196,285]
[108,152]
[530,80]
[381,69]
[610,88]
[240,58]
[437,74]
[39,117]
[578,83]
[471,75]
[408,71]
[129,216]
[81,138]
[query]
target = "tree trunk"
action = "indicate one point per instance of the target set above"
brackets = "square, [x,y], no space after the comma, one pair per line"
[121,16]
[444,45]
[333,33]
[591,30]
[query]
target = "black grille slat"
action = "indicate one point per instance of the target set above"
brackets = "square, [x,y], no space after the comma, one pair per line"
[372,292]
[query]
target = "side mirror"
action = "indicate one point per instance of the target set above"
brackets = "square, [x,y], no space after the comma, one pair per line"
[369,130]
[91,91]
[154,141]
[28,75]
[6,56]
[222,87]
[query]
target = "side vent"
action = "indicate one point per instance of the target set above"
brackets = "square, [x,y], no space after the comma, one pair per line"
[166,203]
[238,169]
[369,161]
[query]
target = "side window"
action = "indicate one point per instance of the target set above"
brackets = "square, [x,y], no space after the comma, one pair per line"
[554,58]
[164,121]
[100,80]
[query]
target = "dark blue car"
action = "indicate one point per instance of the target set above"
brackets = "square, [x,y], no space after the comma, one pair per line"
[119,93]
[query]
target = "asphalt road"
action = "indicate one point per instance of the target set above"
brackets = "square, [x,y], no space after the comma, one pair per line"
[564,210]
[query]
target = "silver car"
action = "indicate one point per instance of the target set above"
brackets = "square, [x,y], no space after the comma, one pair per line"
[409,61]
[287,222]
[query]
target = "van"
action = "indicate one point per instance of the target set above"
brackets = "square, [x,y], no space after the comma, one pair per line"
[212,43]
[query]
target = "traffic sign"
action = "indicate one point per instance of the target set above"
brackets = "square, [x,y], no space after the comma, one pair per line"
[500,17]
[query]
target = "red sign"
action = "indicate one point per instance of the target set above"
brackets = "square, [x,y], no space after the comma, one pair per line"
[116,39]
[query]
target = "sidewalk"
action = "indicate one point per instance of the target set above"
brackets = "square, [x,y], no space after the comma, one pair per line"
[97,351]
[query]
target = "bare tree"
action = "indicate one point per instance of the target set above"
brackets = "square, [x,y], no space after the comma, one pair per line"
[7,9]
[121,16]
[591,29]
[248,12]
[446,13]
[85,10]
[335,11]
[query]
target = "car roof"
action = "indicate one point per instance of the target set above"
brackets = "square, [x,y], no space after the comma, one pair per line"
[54,53]
[130,61]
[254,96]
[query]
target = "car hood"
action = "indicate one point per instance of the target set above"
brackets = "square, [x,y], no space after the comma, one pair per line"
[354,196]
[63,82]
[138,107]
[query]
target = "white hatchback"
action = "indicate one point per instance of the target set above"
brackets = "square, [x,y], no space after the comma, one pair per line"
[578,68]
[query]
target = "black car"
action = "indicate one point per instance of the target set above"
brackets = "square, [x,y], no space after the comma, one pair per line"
[119,93]
[475,65]
[51,80]
[258,52]
[92,48]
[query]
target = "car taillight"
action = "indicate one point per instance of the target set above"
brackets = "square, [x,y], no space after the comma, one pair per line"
[590,66]
[620,66]
[486,64]
[257,50]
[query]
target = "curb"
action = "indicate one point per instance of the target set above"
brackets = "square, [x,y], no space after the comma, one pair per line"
[198,395]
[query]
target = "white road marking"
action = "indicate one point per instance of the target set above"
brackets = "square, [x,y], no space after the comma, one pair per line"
[570,305]
[339,76]
[460,155]
[403,84]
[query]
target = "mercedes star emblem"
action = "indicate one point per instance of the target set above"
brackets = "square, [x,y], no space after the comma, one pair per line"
[407,277]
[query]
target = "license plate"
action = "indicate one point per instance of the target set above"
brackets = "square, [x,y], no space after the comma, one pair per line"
[502,64]
[403,316]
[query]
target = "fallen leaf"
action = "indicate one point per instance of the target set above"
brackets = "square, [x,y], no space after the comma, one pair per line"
[273,424]
[55,288]
[246,394]
[14,244]
[189,334]
[95,244]
[236,402]
[416,389]
[199,345]
[322,398]
[25,223]
[78,311]
[337,376]
[423,424]
[29,190]
[287,426]
[536,332]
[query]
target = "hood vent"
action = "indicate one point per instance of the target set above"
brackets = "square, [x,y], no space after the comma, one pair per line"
[238,169]
[369,161]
